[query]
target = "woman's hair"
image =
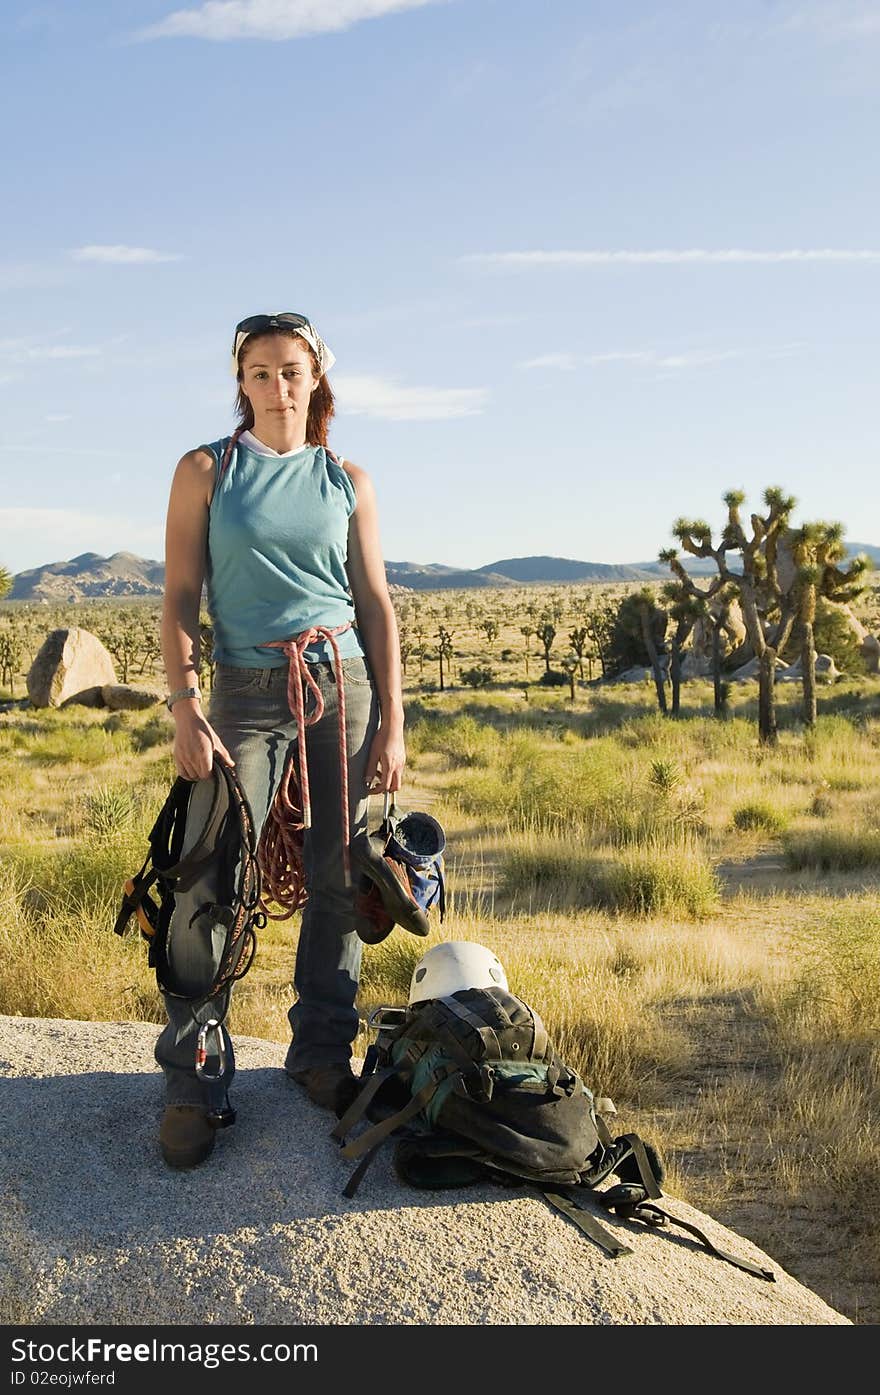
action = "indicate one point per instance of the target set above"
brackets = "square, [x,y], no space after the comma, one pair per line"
[321,407]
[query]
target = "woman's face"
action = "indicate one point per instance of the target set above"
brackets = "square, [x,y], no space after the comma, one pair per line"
[278,378]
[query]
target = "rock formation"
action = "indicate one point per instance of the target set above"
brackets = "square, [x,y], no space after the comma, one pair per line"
[71,666]
[95,1229]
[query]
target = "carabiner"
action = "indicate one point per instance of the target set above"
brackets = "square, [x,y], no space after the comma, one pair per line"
[202,1051]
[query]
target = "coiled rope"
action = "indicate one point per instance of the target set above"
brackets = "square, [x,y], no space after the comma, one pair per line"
[280,851]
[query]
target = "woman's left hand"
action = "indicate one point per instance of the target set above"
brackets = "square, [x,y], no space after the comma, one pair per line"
[386,761]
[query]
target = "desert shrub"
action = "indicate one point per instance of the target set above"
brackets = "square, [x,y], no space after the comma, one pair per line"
[835,994]
[110,810]
[834,850]
[760,815]
[155,731]
[659,879]
[653,878]
[665,776]
[478,676]
[552,678]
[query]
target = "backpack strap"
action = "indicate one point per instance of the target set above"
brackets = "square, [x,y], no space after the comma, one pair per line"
[491,1044]
[629,1202]
[588,1224]
[361,1102]
[379,1132]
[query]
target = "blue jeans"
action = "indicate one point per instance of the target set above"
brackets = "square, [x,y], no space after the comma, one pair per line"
[250,713]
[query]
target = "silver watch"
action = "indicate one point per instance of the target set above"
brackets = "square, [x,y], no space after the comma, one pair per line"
[174,697]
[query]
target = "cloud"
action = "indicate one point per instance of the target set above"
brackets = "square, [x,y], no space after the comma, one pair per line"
[695,256]
[31,350]
[655,358]
[567,362]
[118,255]
[387,400]
[272,19]
[839,20]
[63,351]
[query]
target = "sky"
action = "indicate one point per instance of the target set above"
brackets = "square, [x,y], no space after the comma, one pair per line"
[584,266]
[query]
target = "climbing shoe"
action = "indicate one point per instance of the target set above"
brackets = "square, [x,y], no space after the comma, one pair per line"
[186,1135]
[329,1087]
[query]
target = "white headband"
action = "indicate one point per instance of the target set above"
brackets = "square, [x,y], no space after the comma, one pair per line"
[325,358]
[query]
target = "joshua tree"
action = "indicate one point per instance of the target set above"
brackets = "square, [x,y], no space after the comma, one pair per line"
[636,617]
[685,610]
[570,664]
[11,654]
[444,650]
[711,605]
[578,638]
[489,626]
[757,586]
[546,632]
[527,631]
[817,548]
[5,582]
[599,623]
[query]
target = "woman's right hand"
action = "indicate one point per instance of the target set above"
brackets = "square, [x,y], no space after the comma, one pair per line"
[195,742]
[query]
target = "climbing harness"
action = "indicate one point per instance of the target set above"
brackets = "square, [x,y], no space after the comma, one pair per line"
[226,843]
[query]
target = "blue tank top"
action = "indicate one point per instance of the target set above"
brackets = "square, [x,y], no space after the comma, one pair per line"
[277,547]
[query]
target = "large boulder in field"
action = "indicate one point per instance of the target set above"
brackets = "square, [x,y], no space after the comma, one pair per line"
[120,697]
[825,668]
[749,672]
[72,666]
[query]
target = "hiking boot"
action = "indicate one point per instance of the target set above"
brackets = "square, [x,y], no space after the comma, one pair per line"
[186,1135]
[330,1087]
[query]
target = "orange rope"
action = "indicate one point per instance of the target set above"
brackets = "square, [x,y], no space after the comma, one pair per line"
[281,842]
[280,851]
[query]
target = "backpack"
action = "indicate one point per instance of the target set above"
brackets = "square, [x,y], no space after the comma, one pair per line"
[473,1090]
[201,823]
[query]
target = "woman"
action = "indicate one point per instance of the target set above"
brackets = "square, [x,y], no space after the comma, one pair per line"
[286,537]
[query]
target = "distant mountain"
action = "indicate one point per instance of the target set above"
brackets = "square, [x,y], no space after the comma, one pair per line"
[526,569]
[124,576]
[90,577]
[433,576]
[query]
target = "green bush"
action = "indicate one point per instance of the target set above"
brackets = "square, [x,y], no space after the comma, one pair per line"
[760,815]
[478,676]
[651,878]
[659,879]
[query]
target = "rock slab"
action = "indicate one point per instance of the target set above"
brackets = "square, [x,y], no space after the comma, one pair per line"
[95,1229]
[71,666]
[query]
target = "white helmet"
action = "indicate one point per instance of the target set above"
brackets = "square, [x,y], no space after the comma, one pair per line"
[457,964]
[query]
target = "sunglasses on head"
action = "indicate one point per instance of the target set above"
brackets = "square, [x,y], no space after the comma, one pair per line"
[258,324]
